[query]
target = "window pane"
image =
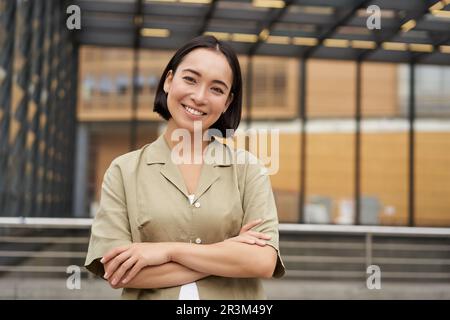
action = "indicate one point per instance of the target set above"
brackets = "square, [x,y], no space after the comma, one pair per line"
[286,183]
[384,147]
[331,89]
[432,167]
[330,157]
[329,177]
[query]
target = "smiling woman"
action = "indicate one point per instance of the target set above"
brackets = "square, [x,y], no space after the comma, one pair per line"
[195,230]
[198,91]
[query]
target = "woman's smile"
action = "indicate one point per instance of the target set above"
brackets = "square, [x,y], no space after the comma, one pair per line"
[193,112]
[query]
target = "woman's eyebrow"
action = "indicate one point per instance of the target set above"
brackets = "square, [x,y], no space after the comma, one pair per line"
[199,74]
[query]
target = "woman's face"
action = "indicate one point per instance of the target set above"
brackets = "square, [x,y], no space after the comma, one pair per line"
[199,90]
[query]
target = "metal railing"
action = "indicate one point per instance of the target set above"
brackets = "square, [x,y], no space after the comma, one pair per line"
[346,251]
[42,245]
[49,245]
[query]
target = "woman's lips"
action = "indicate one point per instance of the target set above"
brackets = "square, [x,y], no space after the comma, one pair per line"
[192,115]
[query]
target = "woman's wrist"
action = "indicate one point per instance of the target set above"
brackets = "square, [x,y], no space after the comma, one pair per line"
[172,250]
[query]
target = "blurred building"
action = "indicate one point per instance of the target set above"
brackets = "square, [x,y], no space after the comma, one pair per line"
[363,114]
[104,107]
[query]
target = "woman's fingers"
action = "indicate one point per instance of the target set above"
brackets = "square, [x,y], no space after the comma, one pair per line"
[113,253]
[250,225]
[259,235]
[122,269]
[255,240]
[250,240]
[133,272]
[242,239]
[115,263]
[261,243]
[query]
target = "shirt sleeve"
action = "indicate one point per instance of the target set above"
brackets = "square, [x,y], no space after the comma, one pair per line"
[111,227]
[259,203]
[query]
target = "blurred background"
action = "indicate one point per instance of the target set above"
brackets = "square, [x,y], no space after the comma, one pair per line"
[363,112]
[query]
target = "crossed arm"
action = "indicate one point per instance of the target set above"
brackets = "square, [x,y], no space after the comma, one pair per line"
[165,264]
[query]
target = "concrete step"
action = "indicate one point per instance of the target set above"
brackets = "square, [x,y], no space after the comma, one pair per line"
[92,289]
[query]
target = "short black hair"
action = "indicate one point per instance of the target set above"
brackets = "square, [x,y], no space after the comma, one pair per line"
[232,117]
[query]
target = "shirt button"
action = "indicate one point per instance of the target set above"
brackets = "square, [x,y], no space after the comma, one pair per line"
[197,204]
[198,241]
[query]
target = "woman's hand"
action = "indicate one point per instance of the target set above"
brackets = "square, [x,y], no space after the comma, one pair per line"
[251,237]
[129,260]
[125,262]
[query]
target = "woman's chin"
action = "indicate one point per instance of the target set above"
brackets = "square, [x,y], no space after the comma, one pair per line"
[192,126]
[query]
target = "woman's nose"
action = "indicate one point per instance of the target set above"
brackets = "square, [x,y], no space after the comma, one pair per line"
[199,96]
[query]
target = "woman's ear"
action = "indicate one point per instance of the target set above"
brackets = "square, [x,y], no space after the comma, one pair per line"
[168,81]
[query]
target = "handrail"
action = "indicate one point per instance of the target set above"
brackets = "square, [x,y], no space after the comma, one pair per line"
[374,230]
[33,222]
[367,243]
[22,222]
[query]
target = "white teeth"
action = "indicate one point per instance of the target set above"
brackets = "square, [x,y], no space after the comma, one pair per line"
[193,111]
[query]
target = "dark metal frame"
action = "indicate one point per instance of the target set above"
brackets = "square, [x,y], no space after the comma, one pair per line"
[138,22]
[7,24]
[411,143]
[108,23]
[36,159]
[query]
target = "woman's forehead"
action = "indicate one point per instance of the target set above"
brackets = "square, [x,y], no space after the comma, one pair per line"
[209,63]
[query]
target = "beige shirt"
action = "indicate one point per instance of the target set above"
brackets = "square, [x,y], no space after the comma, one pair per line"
[144,199]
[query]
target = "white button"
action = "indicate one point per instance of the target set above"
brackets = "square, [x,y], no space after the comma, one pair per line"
[198,241]
[197,204]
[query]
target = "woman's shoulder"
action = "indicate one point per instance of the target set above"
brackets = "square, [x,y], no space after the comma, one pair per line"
[245,157]
[129,159]
[227,154]
[247,163]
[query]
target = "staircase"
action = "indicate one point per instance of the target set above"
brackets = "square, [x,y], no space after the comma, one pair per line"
[322,261]
[331,252]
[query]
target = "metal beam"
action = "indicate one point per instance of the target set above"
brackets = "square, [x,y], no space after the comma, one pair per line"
[7,28]
[272,17]
[411,144]
[138,21]
[302,112]
[342,19]
[416,58]
[106,6]
[358,112]
[17,167]
[207,17]
[415,15]
[36,93]
[249,91]
[44,121]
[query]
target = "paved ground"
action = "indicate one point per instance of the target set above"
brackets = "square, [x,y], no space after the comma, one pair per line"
[26,288]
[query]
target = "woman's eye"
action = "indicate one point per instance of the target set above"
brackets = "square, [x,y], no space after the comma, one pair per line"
[189,79]
[218,90]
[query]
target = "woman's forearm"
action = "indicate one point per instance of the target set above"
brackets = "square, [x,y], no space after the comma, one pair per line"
[226,259]
[166,275]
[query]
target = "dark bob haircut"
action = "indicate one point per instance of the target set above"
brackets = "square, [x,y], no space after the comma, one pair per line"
[231,118]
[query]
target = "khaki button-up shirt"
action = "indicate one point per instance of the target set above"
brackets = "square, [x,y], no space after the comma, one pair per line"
[144,199]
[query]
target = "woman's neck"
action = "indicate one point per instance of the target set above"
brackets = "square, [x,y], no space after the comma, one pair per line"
[196,147]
